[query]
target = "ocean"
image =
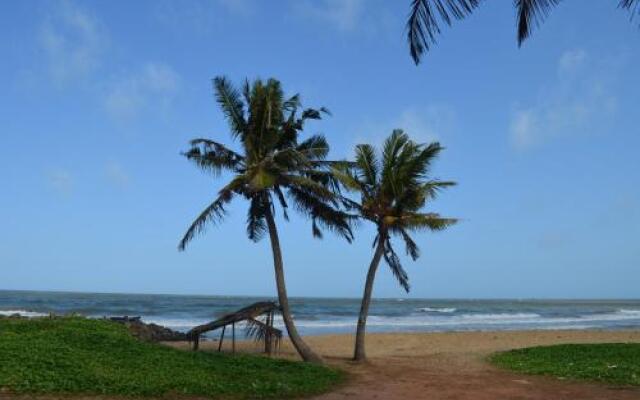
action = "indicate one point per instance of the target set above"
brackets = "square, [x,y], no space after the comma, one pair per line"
[317,316]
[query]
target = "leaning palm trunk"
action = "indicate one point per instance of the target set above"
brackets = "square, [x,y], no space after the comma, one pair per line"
[360,354]
[303,349]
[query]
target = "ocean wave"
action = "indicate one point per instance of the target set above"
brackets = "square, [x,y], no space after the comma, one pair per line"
[22,313]
[500,316]
[470,321]
[445,310]
[629,312]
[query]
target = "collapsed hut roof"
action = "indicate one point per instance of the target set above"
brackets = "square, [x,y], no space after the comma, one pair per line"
[248,313]
[259,330]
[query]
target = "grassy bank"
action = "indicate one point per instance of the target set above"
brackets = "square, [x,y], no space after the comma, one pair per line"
[82,356]
[616,363]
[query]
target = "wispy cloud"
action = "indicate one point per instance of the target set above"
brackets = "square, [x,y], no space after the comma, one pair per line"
[60,180]
[341,14]
[117,175]
[201,16]
[73,42]
[423,124]
[571,60]
[153,85]
[580,99]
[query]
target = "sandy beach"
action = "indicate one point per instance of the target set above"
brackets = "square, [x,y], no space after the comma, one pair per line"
[451,365]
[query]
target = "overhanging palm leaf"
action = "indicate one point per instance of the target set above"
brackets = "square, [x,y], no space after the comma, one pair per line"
[531,13]
[426,17]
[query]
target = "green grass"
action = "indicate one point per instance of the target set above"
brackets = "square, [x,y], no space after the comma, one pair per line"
[83,356]
[615,363]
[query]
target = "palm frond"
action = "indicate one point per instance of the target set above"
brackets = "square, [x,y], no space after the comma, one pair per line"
[214,213]
[314,148]
[258,331]
[309,185]
[393,261]
[426,221]
[432,188]
[256,223]
[425,17]
[313,113]
[230,101]
[530,14]
[367,164]
[213,156]
[393,145]
[633,6]
[292,103]
[347,179]
[322,214]
[283,202]
[412,248]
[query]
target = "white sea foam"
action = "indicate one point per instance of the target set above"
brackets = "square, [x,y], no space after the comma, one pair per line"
[629,312]
[445,310]
[474,321]
[22,313]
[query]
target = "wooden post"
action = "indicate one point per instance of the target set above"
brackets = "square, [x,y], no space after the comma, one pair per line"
[221,338]
[196,343]
[233,338]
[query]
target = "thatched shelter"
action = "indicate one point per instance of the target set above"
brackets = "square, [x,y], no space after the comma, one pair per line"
[260,330]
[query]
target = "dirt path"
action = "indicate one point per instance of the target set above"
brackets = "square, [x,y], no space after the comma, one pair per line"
[453,377]
[435,367]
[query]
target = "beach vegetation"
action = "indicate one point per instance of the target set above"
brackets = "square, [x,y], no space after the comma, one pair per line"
[78,356]
[613,363]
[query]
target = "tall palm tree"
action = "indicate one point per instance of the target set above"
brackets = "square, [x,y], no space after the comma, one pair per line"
[426,16]
[393,190]
[271,167]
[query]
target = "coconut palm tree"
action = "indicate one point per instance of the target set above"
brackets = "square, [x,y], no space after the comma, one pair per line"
[271,168]
[393,190]
[426,16]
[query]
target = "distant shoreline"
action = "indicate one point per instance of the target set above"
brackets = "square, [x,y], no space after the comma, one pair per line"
[273,296]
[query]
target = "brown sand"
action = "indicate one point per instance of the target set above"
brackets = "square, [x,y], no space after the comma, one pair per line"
[452,366]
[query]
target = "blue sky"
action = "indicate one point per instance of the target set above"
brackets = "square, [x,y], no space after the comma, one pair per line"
[99,100]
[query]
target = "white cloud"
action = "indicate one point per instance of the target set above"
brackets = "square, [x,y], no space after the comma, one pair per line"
[341,14]
[153,86]
[579,100]
[60,180]
[425,124]
[422,124]
[73,42]
[117,175]
[523,129]
[571,60]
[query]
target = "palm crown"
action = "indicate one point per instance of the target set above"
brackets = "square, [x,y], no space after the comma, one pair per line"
[272,164]
[393,190]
